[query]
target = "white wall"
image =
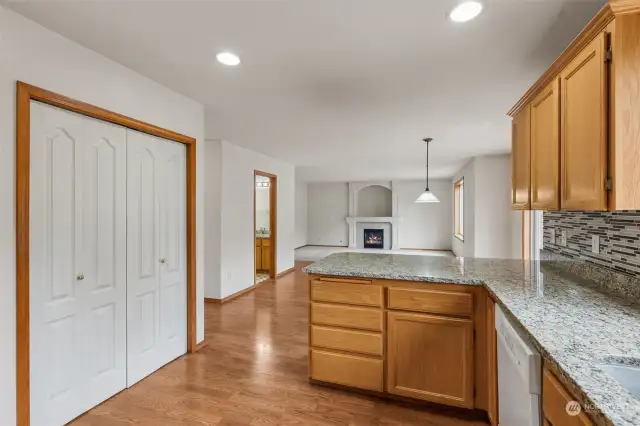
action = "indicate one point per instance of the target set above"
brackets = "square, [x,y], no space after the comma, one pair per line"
[374,201]
[213,223]
[494,221]
[327,211]
[491,228]
[236,227]
[424,225]
[300,237]
[35,55]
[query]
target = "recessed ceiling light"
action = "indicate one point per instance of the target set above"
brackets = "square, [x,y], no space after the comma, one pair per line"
[466,11]
[228,58]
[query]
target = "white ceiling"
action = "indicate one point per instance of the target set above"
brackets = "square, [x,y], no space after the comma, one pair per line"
[343,89]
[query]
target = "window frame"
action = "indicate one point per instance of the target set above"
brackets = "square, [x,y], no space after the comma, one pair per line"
[458,213]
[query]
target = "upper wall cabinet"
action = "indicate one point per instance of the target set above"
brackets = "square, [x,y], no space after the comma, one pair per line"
[584,121]
[545,148]
[583,86]
[520,148]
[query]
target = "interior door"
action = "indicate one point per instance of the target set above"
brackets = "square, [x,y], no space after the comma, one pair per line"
[105,259]
[156,247]
[77,263]
[173,250]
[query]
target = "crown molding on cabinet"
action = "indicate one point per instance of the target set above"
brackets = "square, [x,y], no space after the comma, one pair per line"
[624,7]
[593,28]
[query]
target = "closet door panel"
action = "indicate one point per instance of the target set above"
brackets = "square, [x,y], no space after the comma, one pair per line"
[143,169]
[173,289]
[105,258]
[55,240]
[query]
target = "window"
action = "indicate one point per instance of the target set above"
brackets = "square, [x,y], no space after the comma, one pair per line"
[458,209]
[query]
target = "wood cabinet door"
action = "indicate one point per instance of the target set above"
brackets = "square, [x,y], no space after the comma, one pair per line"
[520,159]
[556,399]
[430,358]
[583,125]
[258,258]
[266,258]
[545,149]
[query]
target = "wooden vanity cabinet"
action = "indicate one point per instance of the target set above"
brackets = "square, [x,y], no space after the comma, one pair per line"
[263,254]
[430,358]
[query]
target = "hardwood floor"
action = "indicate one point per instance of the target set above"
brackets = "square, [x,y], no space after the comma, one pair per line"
[254,372]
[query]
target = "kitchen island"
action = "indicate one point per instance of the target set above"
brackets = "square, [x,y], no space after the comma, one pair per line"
[421,327]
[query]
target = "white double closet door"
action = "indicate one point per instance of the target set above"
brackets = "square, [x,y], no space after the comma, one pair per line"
[107,260]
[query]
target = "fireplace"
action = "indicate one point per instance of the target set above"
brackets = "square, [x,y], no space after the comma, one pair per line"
[374,238]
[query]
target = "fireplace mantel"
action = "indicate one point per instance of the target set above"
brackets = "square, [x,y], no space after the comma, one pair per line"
[354,220]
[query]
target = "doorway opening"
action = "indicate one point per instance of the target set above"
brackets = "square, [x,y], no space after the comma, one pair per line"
[265,191]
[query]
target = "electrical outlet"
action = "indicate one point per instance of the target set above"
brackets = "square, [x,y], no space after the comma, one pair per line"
[563,237]
[552,233]
[595,244]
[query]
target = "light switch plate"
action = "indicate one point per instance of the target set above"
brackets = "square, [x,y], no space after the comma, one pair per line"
[595,244]
[552,233]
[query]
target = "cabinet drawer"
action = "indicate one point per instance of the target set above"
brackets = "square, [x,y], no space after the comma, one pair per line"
[347,340]
[266,242]
[432,301]
[554,403]
[346,316]
[343,292]
[348,370]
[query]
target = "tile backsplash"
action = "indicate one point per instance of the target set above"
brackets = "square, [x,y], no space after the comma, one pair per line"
[619,238]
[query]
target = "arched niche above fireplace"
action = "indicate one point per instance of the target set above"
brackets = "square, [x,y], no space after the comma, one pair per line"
[374,201]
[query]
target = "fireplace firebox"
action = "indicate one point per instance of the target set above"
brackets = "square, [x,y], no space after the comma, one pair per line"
[374,238]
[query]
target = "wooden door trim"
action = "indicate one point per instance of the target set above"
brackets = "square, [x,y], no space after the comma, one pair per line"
[273,222]
[25,93]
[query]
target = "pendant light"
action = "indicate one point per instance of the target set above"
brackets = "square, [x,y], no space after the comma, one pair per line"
[427,196]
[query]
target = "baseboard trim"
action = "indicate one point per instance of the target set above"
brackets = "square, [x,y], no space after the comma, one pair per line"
[202,345]
[423,249]
[325,245]
[235,295]
[288,271]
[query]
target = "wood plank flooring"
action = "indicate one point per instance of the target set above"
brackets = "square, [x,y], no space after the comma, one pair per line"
[254,372]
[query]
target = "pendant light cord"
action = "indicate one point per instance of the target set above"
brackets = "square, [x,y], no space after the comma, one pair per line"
[427,165]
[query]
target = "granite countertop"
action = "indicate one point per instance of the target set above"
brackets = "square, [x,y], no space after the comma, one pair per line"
[574,324]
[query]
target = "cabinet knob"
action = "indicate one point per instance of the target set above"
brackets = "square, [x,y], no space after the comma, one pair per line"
[80,277]
[163,261]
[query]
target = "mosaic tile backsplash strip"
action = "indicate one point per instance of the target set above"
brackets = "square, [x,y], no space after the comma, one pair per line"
[619,234]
